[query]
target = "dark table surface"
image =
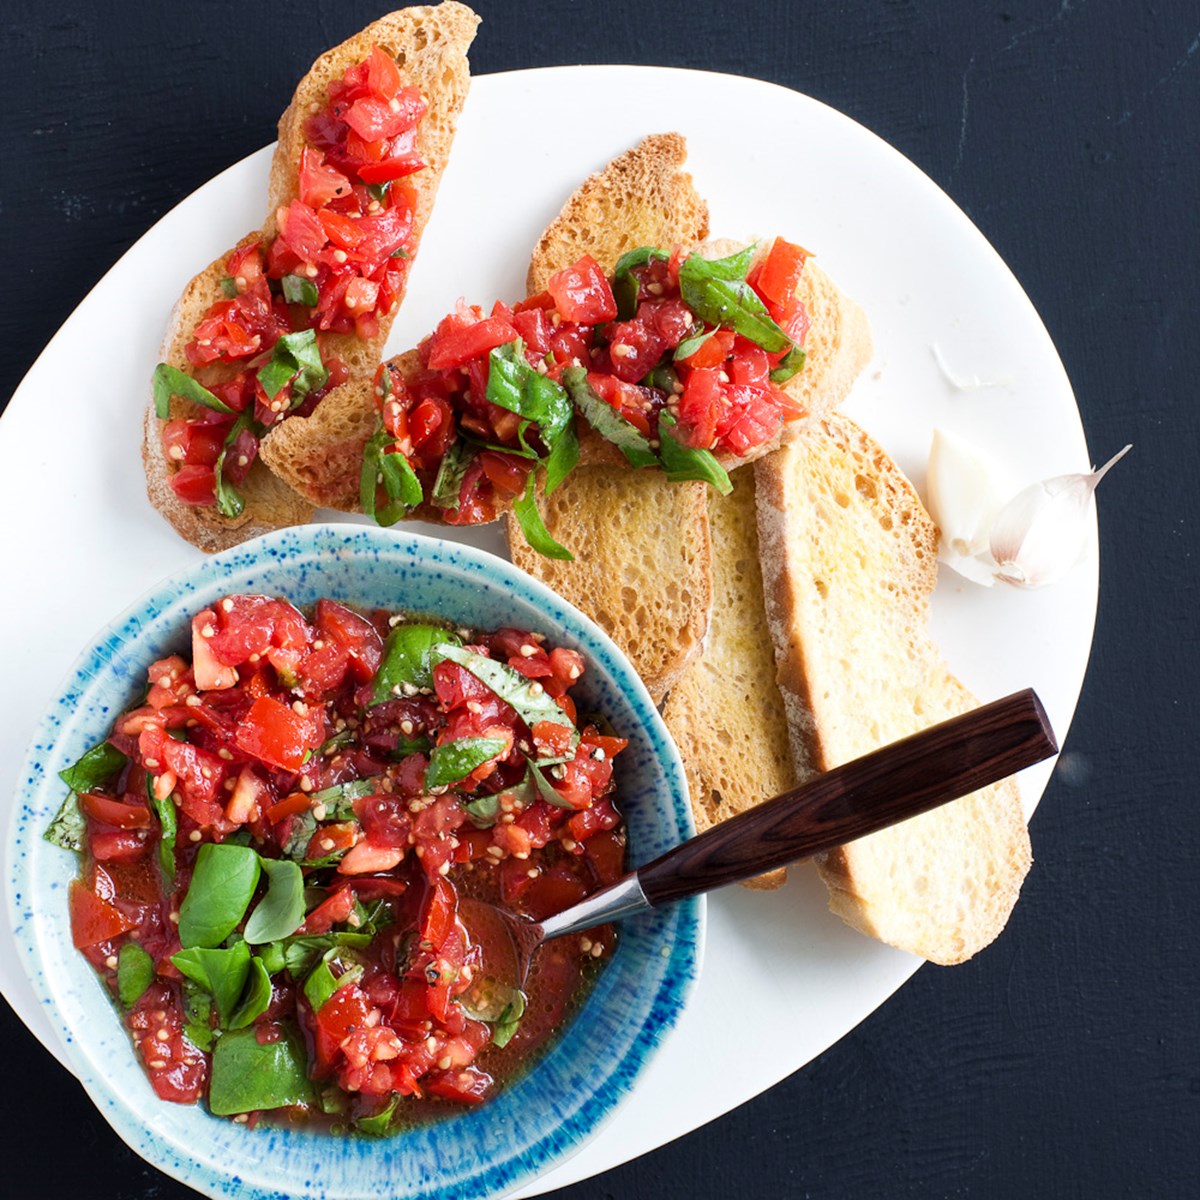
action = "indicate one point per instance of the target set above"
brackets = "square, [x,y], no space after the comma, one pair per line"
[1064,1061]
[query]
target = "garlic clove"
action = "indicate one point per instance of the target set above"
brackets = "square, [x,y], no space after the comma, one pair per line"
[1038,536]
[966,490]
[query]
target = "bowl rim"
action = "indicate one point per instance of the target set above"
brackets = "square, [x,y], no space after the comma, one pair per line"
[314,542]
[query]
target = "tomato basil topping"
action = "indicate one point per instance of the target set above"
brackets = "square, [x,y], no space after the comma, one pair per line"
[336,263]
[276,840]
[675,359]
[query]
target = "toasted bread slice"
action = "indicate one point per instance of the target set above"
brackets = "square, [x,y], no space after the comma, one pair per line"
[648,587]
[642,564]
[849,561]
[430,45]
[726,714]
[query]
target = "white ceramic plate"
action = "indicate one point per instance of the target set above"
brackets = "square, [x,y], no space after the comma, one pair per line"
[769,161]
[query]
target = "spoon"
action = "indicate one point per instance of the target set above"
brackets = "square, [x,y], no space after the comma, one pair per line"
[889,785]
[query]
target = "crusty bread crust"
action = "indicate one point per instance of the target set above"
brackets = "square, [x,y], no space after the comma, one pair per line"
[430,45]
[849,565]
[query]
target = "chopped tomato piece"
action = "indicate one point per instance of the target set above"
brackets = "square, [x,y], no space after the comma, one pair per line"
[278,735]
[94,919]
[582,293]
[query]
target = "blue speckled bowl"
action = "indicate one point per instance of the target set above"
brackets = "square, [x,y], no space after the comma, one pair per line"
[478,1153]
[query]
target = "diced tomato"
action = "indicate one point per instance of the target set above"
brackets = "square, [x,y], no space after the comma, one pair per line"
[333,910]
[383,76]
[505,472]
[699,408]
[713,351]
[582,293]
[319,182]
[438,913]
[195,486]
[301,231]
[356,635]
[118,845]
[346,1010]
[94,919]
[456,686]
[275,734]
[780,274]
[178,1071]
[457,340]
[468,1086]
[114,812]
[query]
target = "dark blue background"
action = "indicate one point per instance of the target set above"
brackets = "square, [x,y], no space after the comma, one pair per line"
[1065,1061]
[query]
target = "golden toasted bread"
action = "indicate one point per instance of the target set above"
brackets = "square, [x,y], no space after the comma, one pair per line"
[849,565]
[429,44]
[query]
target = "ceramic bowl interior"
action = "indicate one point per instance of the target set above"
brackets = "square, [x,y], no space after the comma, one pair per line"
[477,1153]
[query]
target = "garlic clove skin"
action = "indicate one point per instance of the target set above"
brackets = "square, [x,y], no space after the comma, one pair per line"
[966,491]
[1038,536]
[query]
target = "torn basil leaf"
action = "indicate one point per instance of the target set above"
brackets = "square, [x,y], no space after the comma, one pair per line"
[789,365]
[512,687]
[561,461]
[392,470]
[295,359]
[625,283]
[96,767]
[229,287]
[485,811]
[546,790]
[168,822]
[299,290]
[682,462]
[280,912]
[378,1124]
[717,292]
[452,761]
[510,1019]
[222,887]
[229,499]
[339,799]
[197,1016]
[248,1075]
[515,385]
[222,972]
[533,527]
[256,998]
[408,660]
[69,827]
[135,973]
[689,346]
[171,381]
[452,470]
[607,422]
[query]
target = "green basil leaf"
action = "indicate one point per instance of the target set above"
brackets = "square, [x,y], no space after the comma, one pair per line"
[280,912]
[168,822]
[222,887]
[96,767]
[664,378]
[377,191]
[378,1124]
[546,790]
[789,365]
[452,761]
[221,972]
[408,659]
[339,799]
[401,253]
[510,1018]
[229,499]
[533,527]
[322,982]
[337,741]
[303,826]
[248,1075]
[135,973]
[515,385]
[625,283]
[272,957]
[406,746]
[512,687]
[229,287]
[197,1015]
[607,422]
[682,462]
[171,381]
[392,470]
[689,346]
[485,811]
[516,451]
[257,997]
[717,292]
[68,830]
[295,357]
[561,461]
[452,470]
[299,290]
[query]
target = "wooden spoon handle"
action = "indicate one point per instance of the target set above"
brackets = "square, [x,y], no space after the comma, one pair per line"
[889,785]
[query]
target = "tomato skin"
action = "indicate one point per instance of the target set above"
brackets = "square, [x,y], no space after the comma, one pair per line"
[470,1085]
[275,734]
[114,812]
[582,293]
[699,408]
[457,341]
[93,918]
[780,274]
[195,486]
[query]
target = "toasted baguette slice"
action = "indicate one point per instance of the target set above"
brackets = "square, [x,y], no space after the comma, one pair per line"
[430,45]
[849,565]
[726,714]
[642,564]
[648,587]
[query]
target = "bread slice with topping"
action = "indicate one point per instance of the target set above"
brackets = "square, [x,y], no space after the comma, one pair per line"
[429,44]
[849,564]
[642,566]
